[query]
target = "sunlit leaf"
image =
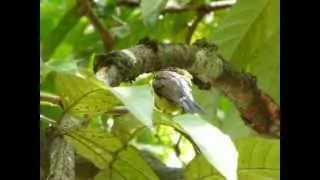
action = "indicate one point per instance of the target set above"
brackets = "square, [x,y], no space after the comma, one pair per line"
[266,66]
[258,159]
[82,97]
[138,100]
[217,147]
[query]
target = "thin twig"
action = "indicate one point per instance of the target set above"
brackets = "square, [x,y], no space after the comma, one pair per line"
[46,119]
[86,9]
[51,99]
[118,110]
[213,6]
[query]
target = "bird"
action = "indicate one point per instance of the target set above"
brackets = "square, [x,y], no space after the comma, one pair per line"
[174,85]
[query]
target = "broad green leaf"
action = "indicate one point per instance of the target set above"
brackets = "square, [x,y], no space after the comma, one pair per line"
[67,22]
[258,159]
[82,97]
[139,101]
[266,66]
[151,10]
[248,37]
[217,147]
[128,166]
[95,145]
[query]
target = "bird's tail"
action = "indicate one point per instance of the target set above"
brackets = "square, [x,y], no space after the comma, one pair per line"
[190,106]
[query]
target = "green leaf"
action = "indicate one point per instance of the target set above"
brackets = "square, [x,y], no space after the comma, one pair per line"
[139,101]
[67,22]
[95,145]
[128,166]
[248,37]
[84,98]
[151,10]
[258,159]
[62,66]
[219,150]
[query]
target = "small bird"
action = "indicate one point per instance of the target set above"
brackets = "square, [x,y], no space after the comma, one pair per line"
[174,85]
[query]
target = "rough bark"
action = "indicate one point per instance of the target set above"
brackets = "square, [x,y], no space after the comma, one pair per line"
[62,154]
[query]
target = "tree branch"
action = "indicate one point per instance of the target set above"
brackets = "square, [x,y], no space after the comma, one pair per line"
[86,9]
[213,6]
[209,69]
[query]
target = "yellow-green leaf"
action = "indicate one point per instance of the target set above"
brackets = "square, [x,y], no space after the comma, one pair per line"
[84,98]
[258,159]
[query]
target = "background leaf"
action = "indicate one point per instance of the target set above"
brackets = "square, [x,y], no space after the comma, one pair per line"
[150,11]
[219,151]
[249,38]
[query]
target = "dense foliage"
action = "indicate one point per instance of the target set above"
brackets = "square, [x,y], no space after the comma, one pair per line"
[121,122]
